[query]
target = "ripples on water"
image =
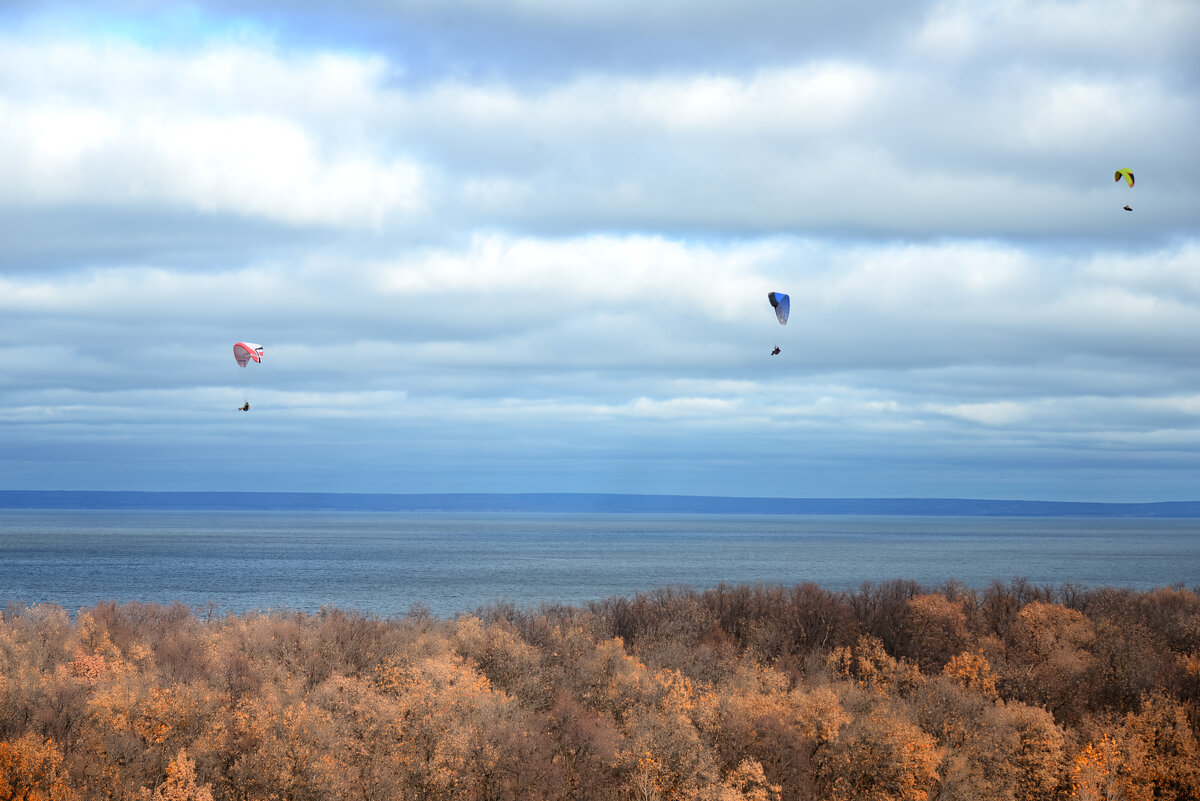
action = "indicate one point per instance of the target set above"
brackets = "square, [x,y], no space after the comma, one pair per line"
[384,562]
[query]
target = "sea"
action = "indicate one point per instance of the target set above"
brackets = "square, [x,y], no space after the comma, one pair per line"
[389,563]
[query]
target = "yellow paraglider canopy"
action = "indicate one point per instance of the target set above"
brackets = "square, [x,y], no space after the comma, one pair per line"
[1126,174]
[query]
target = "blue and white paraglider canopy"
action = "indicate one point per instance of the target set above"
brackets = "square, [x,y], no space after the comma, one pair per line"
[782,304]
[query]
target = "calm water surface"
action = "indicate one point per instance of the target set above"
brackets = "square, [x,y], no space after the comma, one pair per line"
[383,562]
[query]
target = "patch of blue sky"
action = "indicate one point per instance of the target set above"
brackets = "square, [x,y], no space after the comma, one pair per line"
[148,25]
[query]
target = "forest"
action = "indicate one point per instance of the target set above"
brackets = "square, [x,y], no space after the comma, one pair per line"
[737,693]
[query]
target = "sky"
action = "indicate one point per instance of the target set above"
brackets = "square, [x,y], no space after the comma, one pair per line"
[526,246]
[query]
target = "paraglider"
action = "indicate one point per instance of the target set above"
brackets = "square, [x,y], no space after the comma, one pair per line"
[783,306]
[246,352]
[1127,174]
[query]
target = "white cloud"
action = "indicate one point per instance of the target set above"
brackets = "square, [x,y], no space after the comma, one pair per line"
[991,414]
[799,100]
[805,145]
[569,277]
[1066,29]
[213,133]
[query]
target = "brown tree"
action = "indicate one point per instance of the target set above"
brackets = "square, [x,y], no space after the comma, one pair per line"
[879,756]
[31,770]
[1164,739]
[1049,645]
[935,629]
[180,784]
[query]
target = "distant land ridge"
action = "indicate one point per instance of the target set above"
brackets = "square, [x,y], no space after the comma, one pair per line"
[579,502]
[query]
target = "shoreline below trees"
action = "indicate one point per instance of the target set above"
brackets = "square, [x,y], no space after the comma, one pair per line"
[893,691]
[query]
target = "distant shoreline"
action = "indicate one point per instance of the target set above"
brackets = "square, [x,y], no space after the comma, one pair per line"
[580,503]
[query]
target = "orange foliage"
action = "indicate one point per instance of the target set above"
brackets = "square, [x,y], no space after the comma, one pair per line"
[86,667]
[736,694]
[973,672]
[748,782]
[31,770]
[1101,772]
[180,784]
[880,757]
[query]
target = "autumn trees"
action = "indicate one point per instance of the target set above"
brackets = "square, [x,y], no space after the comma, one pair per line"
[890,693]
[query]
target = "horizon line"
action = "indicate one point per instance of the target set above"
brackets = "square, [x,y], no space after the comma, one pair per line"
[283,500]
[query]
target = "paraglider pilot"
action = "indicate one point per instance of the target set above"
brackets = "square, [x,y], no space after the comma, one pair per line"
[246,352]
[782,304]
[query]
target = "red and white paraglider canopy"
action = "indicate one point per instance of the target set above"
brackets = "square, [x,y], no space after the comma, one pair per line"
[246,352]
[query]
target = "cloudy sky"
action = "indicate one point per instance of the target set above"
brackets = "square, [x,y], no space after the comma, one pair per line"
[526,247]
